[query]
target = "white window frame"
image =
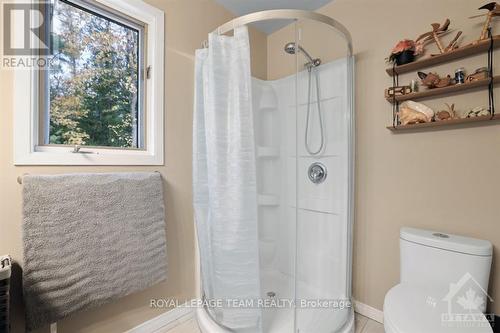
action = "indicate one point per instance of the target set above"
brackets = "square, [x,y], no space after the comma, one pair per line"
[27,150]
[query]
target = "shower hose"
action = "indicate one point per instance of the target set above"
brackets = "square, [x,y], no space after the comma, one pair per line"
[311,69]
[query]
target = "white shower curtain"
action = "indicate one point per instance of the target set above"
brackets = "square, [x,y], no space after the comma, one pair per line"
[224,178]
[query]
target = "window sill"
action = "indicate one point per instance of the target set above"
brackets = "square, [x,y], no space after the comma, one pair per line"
[87,156]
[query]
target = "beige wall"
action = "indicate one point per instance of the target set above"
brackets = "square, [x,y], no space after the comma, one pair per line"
[444,180]
[441,180]
[318,39]
[187,23]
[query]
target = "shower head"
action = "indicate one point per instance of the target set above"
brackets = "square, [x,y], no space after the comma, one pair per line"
[291,48]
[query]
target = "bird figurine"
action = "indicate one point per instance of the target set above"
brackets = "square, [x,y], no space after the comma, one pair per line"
[446,114]
[432,80]
[435,34]
[493,11]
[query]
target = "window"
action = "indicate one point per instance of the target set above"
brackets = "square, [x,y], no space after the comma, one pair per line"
[94,87]
[99,98]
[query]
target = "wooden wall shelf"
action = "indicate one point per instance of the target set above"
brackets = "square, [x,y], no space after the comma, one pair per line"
[444,91]
[462,52]
[444,123]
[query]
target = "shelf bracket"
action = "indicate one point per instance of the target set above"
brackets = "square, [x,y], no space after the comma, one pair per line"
[395,103]
[491,97]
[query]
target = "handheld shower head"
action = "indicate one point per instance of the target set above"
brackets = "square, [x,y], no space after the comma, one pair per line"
[291,48]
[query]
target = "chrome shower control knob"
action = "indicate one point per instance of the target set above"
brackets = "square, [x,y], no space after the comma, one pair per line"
[317,173]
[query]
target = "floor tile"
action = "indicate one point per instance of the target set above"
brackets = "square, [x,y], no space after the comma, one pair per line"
[189,326]
[373,327]
[363,325]
[359,322]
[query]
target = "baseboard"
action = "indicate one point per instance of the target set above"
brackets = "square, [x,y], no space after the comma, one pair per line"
[165,321]
[368,311]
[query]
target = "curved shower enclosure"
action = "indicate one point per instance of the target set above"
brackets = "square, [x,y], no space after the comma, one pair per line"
[273,177]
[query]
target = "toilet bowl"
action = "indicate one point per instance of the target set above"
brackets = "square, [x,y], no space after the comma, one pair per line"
[409,309]
[443,285]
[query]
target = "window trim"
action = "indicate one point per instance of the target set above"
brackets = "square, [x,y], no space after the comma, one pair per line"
[28,151]
[124,20]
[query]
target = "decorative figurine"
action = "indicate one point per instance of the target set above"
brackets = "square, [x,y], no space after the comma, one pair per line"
[476,112]
[493,10]
[403,52]
[414,86]
[397,91]
[432,80]
[429,113]
[435,33]
[446,114]
[408,116]
[460,76]
[479,74]
[413,113]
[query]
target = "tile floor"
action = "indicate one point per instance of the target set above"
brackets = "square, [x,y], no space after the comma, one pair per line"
[366,325]
[363,325]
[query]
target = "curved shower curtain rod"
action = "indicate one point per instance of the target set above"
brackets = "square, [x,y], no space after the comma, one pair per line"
[293,14]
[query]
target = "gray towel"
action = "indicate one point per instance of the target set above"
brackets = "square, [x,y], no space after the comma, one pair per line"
[89,239]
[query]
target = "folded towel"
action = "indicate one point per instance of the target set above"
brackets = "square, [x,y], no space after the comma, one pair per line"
[89,239]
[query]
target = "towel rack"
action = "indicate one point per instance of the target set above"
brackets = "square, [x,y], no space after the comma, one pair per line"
[20,178]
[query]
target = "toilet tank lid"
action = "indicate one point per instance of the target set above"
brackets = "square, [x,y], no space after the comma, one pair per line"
[447,241]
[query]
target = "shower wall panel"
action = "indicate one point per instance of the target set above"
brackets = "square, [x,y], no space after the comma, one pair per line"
[283,163]
[303,227]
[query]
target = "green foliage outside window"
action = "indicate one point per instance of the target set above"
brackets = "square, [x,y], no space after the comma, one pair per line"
[93,80]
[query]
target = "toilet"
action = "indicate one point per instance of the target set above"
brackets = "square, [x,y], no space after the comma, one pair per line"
[443,284]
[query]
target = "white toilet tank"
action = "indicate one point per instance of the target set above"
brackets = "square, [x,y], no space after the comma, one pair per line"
[434,259]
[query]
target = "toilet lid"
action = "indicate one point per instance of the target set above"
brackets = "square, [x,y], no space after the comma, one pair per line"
[416,310]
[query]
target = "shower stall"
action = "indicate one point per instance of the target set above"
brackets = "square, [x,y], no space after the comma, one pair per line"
[273,178]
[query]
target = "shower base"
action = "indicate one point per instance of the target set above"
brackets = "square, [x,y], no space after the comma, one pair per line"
[281,320]
[282,324]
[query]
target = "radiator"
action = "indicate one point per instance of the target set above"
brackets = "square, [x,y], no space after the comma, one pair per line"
[5,271]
